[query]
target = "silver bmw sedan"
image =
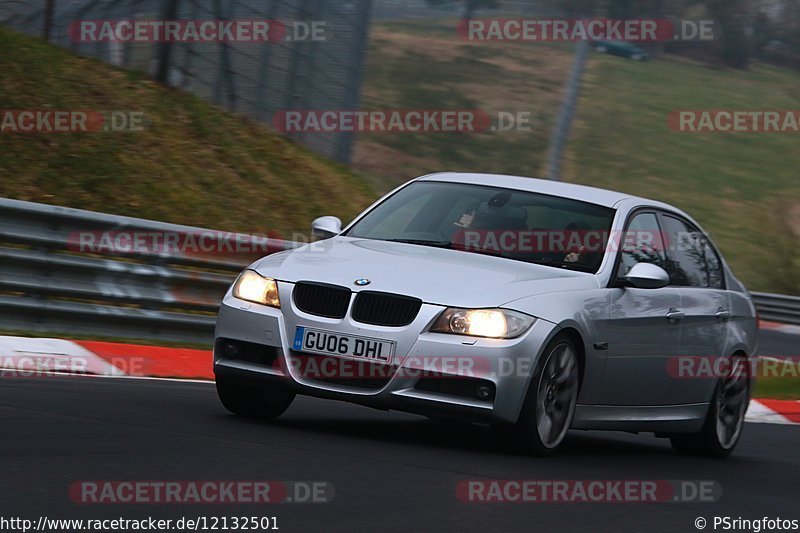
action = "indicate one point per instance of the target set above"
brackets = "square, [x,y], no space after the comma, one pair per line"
[530,304]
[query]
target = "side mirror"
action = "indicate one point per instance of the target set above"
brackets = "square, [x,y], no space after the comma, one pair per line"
[647,276]
[326,227]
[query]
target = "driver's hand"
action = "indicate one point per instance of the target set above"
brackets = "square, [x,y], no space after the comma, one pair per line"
[574,257]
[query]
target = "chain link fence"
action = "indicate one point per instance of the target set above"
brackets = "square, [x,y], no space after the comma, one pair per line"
[424,9]
[300,71]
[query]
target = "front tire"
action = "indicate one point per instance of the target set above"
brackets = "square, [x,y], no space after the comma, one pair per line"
[253,402]
[552,396]
[725,419]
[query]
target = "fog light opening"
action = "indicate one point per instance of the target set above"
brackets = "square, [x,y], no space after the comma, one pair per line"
[483,392]
[230,349]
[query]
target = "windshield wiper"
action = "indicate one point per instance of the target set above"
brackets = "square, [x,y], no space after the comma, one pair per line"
[424,242]
[565,265]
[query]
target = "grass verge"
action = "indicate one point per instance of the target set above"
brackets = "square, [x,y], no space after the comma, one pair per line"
[192,164]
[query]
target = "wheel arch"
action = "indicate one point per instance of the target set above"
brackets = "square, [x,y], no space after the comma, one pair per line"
[575,336]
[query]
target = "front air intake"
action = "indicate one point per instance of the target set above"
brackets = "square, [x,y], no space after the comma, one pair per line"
[384,309]
[329,301]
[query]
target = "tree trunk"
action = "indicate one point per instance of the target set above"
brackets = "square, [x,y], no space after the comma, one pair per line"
[49,9]
[469,9]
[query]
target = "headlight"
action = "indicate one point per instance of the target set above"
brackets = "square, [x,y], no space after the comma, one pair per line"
[494,323]
[253,287]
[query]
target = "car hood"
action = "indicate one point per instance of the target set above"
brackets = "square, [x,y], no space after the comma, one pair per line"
[436,276]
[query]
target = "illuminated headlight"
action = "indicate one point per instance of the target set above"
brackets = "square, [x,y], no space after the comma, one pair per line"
[253,287]
[493,323]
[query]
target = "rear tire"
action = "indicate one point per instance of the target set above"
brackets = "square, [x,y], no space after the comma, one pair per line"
[724,422]
[253,402]
[550,403]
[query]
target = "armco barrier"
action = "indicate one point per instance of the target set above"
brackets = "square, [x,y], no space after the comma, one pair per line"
[50,283]
[778,308]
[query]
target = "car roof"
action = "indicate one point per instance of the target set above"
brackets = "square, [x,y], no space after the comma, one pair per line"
[593,195]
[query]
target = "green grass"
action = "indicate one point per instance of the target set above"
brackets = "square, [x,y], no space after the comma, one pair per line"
[194,163]
[778,380]
[777,388]
[743,188]
[428,66]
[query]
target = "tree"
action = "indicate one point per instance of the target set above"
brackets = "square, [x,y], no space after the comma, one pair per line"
[731,16]
[49,9]
[763,33]
[789,32]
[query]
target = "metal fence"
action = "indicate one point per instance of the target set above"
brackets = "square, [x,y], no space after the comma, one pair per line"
[424,9]
[778,308]
[52,282]
[298,72]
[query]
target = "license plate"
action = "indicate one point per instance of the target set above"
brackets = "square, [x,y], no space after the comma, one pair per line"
[342,345]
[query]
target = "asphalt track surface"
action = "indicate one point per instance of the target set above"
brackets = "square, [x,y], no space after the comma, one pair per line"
[391,471]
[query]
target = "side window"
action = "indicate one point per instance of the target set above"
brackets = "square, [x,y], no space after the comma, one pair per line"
[641,243]
[692,260]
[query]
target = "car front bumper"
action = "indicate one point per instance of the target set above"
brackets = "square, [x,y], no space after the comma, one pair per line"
[433,374]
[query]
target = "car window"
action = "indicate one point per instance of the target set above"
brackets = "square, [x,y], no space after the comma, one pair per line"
[641,243]
[520,225]
[692,261]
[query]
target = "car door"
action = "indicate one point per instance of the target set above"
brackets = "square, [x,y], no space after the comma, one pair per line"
[694,265]
[641,335]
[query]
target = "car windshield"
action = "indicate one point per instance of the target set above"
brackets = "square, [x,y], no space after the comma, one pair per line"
[513,224]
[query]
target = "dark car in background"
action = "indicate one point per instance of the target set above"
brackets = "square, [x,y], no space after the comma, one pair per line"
[621,49]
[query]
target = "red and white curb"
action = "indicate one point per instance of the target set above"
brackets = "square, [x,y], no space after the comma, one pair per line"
[774,411]
[30,357]
[781,328]
[35,356]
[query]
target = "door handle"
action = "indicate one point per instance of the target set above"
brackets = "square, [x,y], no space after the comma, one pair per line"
[723,314]
[675,314]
